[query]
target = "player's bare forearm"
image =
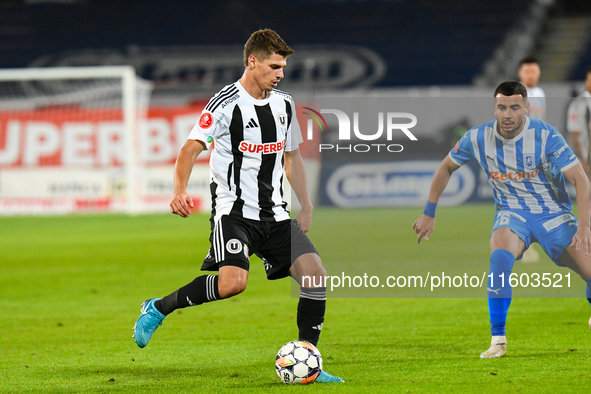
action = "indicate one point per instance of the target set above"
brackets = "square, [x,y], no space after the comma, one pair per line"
[577,177]
[296,175]
[425,225]
[578,149]
[182,203]
[441,178]
[575,138]
[582,238]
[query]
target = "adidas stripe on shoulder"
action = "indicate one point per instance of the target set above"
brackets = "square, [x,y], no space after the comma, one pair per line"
[282,93]
[224,96]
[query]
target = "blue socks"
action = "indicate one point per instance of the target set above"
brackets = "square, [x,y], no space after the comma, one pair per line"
[499,290]
[499,296]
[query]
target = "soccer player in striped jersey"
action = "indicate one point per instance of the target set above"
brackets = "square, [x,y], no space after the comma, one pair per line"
[255,135]
[527,162]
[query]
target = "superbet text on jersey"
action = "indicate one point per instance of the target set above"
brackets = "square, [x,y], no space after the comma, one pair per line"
[249,138]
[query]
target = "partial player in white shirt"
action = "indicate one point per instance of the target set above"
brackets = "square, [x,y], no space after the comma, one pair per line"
[578,124]
[529,74]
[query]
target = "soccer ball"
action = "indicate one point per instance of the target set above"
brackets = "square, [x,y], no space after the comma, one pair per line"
[298,362]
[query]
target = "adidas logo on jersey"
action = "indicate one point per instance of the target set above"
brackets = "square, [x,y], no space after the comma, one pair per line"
[251,124]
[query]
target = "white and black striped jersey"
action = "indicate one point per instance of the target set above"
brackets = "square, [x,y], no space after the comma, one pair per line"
[249,138]
[579,120]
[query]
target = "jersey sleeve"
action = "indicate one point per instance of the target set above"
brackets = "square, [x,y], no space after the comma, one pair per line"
[463,151]
[559,153]
[208,127]
[576,116]
[294,133]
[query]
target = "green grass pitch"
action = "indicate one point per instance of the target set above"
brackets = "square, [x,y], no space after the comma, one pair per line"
[71,288]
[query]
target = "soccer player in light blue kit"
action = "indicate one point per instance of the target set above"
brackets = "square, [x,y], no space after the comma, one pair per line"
[527,162]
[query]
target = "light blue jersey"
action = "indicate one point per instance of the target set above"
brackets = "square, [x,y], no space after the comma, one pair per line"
[526,171]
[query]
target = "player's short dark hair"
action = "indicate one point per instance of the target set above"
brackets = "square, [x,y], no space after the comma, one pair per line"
[264,43]
[510,88]
[528,60]
[588,71]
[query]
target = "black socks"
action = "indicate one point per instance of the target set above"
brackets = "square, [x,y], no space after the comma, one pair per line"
[311,309]
[202,289]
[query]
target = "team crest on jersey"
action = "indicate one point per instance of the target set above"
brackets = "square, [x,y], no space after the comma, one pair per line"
[206,120]
[234,246]
[529,162]
[282,119]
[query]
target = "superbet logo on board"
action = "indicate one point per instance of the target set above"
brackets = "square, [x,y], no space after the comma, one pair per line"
[393,123]
[206,120]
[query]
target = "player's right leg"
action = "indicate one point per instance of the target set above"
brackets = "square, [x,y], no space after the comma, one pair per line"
[229,242]
[308,271]
[289,252]
[505,246]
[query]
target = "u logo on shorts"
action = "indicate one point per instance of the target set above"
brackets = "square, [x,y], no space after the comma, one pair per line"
[234,246]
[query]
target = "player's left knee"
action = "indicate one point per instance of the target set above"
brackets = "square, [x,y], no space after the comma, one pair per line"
[232,281]
[310,265]
[228,290]
[315,272]
[320,272]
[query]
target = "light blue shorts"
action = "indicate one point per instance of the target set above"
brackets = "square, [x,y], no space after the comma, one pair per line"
[553,231]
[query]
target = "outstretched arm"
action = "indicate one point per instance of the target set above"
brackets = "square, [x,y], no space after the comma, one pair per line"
[425,224]
[182,203]
[575,137]
[582,238]
[296,175]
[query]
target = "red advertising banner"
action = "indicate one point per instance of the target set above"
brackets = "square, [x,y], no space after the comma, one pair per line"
[64,159]
[81,137]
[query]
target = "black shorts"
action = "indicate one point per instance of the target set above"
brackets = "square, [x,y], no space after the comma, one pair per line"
[234,239]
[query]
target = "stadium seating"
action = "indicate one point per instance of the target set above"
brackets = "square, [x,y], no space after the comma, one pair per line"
[422,42]
[578,73]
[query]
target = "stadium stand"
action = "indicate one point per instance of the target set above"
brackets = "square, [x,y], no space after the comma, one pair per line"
[423,42]
[584,63]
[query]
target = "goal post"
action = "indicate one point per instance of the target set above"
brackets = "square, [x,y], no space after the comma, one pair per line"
[69,139]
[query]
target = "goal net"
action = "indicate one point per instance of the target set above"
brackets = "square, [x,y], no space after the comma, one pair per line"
[70,140]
